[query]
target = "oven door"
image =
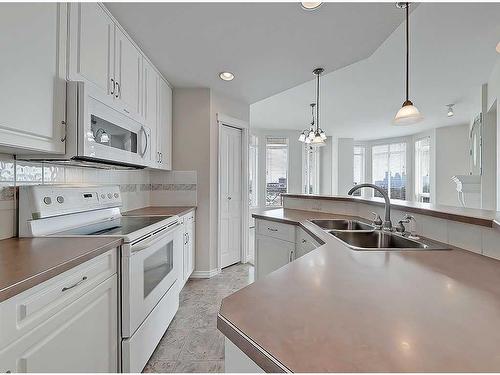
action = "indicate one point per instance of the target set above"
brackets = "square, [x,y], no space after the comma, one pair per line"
[148,274]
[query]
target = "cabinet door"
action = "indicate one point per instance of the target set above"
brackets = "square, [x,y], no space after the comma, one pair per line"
[33,76]
[82,337]
[128,61]
[150,107]
[305,243]
[165,125]
[91,46]
[271,254]
[192,246]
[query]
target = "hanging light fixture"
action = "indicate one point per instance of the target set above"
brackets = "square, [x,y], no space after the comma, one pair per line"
[450,111]
[408,114]
[304,136]
[317,135]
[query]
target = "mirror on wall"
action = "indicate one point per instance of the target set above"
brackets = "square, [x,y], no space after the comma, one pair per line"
[475,146]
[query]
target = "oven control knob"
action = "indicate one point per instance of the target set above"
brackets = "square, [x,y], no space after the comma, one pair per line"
[60,199]
[116,195]
[110,196]
[103,196]
[47,200]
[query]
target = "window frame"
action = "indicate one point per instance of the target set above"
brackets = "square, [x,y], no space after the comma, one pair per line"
[286,145]
[419,196]
[253,169]
[307,151]
[408,195]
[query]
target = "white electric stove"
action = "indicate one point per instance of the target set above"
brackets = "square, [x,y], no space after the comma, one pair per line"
[150,255]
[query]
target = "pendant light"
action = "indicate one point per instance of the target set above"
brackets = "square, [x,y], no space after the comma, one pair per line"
[304,136]
[408,114]
[317,136]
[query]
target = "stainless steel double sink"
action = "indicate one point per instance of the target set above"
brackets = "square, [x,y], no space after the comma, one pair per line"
[364,237]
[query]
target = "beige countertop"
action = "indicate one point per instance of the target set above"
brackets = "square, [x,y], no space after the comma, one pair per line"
[26,262]
[474,216]
[341,310]
[161,210]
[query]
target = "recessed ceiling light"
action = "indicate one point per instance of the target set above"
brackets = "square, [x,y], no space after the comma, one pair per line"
[310,5]
[498,47]
[226,76]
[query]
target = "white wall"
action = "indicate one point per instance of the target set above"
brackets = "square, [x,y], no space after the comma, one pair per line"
[195,131]
[452,158]
[494,100]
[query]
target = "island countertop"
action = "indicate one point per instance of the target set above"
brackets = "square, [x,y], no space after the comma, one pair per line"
[340,310]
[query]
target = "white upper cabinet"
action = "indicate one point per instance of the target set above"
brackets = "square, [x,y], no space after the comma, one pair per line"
[128,61]
[150,110]
[32,77]
[91,56]
[45,44]
[165,126]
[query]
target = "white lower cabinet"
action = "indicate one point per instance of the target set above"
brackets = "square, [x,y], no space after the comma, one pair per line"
[271,254]
[189,247]
[277,244]
[81,335]
[304,242]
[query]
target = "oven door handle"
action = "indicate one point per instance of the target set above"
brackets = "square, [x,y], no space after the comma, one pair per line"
[150,241]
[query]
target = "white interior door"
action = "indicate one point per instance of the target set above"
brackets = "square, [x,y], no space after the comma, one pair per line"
[230,195]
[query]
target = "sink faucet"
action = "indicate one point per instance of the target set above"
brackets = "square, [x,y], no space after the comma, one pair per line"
[387,220]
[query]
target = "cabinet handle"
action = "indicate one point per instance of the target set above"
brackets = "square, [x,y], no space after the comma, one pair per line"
[146,138]
[112,87]
[290,258]
[74,285]
[126,110]
[118,93]
[63,138]
[272,229]
[304,241]
[161,157]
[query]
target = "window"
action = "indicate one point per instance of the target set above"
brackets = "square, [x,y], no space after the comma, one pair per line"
[359,167]
[389,169]
[422,169]
[311,171]
[253,183]
[276,170]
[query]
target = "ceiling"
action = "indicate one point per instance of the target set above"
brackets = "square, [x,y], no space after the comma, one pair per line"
[270,47]
[452,54]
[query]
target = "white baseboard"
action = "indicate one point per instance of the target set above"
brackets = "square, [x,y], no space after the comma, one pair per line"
[204,274]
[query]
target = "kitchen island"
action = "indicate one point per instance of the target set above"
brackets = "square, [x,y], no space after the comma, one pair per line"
[341,310]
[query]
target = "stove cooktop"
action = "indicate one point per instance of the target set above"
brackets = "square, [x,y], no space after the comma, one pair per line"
[121,226]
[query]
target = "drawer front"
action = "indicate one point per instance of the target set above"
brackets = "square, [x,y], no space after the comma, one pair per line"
[24,312]
[285,232]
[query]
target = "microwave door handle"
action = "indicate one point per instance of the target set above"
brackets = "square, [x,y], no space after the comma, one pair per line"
[146,138]
[141,245]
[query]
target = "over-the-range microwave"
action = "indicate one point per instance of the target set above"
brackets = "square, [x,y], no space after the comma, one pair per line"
[99,135]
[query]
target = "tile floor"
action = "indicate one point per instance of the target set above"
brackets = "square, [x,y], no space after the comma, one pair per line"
[192,343]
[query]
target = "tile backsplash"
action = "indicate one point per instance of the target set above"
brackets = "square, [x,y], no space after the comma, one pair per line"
[139,187]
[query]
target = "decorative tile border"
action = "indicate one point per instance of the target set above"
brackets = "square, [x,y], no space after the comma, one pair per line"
[7,193]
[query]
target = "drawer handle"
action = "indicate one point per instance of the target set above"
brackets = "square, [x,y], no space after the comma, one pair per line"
[74,285]
[272,229]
